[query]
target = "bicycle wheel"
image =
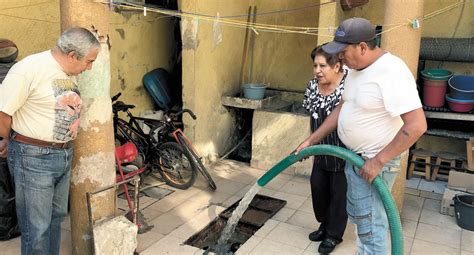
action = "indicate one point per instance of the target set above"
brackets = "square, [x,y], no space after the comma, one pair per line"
[175,165]
[197,161]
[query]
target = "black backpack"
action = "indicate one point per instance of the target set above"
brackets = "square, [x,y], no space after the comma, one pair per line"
[8,221]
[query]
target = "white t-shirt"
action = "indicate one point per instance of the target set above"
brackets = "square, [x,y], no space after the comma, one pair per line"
[374,98]
[42,99]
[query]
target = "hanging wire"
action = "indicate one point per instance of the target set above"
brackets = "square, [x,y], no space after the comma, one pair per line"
[225,20]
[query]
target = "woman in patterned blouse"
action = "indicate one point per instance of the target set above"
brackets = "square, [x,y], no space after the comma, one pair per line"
[328,182]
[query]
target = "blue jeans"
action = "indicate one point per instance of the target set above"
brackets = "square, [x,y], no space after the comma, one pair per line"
[41,177]
[365,208]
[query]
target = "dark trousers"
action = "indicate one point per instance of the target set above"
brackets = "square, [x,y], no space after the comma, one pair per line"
[328,191]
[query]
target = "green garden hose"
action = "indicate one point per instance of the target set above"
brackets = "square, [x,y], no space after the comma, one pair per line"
[387,199]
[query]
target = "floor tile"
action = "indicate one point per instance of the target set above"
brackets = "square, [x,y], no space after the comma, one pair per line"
[439,235]
[307,206]
[147,239]
[432,204]
[297,188]
[437,219]
[209,197]
[467,240]
[231,200]
[284,214]
[169,245]
[278,182]
[412,182]
[166,223]
[292,201]
[347,247]
[413,201]
[303,219]
[267,192]
[411,191]
[466,253]
[242,177]
[272,247]
[432,195]
[244,190]
[429,186]
[411,213]
[10,247]
[421,247]
[409,227]
[173,200]
[229,187]
[266,228]
[290,235]
[198,222]
[407,244]
[249,245]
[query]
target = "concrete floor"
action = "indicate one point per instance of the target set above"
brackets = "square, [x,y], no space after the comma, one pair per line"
[182,213]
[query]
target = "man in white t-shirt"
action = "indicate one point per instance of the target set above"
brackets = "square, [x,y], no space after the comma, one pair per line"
[380,116]
[40,105]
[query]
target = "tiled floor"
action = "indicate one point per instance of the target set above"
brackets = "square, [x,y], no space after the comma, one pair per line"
[182,213]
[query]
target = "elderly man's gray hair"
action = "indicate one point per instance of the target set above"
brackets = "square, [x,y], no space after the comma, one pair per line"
[79,40]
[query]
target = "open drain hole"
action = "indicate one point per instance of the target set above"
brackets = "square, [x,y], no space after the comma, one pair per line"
[259,211]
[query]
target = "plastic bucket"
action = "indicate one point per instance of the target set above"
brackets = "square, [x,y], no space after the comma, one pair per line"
[464,211]
[435,82]
[461,87]
[459,105]
[254,91]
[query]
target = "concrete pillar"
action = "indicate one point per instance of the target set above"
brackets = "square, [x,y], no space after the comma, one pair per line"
[330,16]
[93,163]
[403,41]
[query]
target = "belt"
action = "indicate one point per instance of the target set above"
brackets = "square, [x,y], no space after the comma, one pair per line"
[31,141]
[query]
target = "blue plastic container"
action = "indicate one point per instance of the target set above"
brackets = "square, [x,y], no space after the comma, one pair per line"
[156,83]
[461,87]
[254,91]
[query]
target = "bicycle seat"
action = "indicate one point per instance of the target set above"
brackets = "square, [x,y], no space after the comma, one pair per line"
[126,153]
[121,106]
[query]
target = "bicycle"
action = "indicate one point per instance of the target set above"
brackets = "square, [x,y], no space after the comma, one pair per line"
[174,164]
[170,129]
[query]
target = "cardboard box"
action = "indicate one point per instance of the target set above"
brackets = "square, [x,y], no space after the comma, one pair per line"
[461,181]
[447,203]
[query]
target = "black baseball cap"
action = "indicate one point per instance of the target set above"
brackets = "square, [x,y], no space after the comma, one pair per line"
[351,31]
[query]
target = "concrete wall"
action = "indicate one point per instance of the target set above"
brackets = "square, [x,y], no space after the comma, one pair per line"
[211,68]
[139,44]
[282,60]
[33,28]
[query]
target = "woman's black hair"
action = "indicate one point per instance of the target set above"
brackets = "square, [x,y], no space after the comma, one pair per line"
[331,59]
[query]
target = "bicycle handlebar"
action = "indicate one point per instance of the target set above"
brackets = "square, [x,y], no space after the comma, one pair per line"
[191,113]
[114,98]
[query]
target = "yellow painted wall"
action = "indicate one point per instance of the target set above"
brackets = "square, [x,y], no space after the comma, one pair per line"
[210,70]
[282,60]
[139,44]
[32,26]
[455,23]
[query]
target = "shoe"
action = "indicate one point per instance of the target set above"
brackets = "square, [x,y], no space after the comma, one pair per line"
[328,245]
[317,236]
